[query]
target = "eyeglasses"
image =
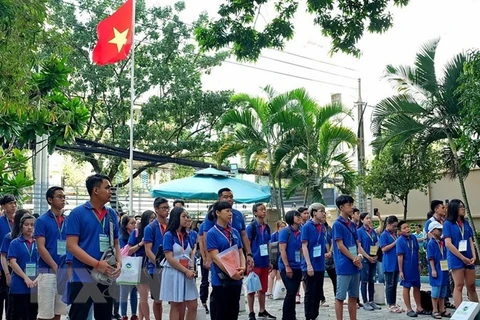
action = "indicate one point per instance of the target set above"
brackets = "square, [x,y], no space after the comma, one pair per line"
[60,197]
[164,208]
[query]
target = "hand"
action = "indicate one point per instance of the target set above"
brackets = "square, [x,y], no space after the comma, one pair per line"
[310,271]
[104,267]
[8,279]
[116,272]
[141,244]
[250,261]
[472,261]
[358,263]
[55,268]
[434,274]
[328,255]
[30,283]
[372,259]
[402,276]
[289,272]
[207,263]
[190,274]
[239,274]
[466,261]
[270,267]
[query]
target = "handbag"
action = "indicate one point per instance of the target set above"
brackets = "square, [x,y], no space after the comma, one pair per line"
[131,270]
[126,248]
[108,255]
[253,283]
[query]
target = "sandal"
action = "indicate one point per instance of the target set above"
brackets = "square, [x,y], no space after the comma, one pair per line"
[412,314]
[436,315]
[399,308]
[394,309]
[449,305]
[423,312]
[446,314]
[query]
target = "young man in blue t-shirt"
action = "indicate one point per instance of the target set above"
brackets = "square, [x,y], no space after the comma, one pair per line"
[259,235]
[409,268]
[50,237]
[8,204]
[88,237]
[347,254]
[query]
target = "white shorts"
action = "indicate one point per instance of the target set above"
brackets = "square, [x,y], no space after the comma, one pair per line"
[49,301]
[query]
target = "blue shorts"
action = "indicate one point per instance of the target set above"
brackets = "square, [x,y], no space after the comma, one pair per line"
[409,284]
[347,283]
[439,291]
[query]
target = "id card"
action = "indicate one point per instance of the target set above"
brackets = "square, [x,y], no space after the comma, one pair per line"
[31,269]
[443,265]
[317,251]
[184,262]
[462,246]
[104,242]
[61,247]
[263,250]
[297,256]
[373,250]
[353,250]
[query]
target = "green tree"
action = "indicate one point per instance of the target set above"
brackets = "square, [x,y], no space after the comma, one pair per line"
[177,117]
[427,110]
[391,176]
[311,148]
[255,135]
[344,21]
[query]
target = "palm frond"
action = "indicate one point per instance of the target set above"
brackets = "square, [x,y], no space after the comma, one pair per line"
[450,104]
[425,75]
[227,150]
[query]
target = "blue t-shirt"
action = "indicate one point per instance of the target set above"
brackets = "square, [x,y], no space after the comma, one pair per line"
[84,224]
[169,239]
[5,227]
[274,237]
[217,239]
[347,232]
[261,238]
[453,231]
[314,235]
[390,261]
[238,222]
[133,240]
[46,226]
[427,223]
[153,234]
[192,238]
[23,254]
[408,247]
[6,243]
[437,251]
[293,239]
[367,238]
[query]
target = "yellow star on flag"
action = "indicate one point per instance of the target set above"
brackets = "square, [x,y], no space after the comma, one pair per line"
[120,38]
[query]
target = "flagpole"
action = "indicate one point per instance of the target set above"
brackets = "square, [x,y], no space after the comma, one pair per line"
[132,98]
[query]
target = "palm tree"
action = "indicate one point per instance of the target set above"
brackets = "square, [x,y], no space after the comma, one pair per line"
[310,147]
[427,109]
[255,136]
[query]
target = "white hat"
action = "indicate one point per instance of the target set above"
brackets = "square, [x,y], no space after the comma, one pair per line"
[434,225]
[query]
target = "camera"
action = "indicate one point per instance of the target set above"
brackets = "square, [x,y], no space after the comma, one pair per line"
[375,211]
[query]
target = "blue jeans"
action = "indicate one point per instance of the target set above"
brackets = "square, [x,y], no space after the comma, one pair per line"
[391,282]
[366,276]
[125,290]
[380,277]
[291,285]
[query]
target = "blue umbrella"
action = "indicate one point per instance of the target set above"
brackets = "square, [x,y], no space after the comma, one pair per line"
[205,184]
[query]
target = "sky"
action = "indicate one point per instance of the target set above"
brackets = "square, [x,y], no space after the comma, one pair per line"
[455,22]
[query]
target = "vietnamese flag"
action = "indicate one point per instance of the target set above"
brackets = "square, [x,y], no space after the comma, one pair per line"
[115,36]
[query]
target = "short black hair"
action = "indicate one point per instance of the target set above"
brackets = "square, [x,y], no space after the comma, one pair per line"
[219,193]
[7,198]
[343,199]
[356,210]
[255,207]
[290,216]
[363,215]
[301,209]
[219,206]
[95,181]
[51,192]
[179,201]
[158,201]
[418,225]
[401,223]
[434,204]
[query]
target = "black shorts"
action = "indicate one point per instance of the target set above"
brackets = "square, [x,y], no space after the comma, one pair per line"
[154,284]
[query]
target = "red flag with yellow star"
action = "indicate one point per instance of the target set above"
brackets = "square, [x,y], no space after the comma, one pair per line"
[115,36]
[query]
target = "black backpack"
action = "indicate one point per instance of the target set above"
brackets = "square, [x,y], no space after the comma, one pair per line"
[274,250]
[254,230]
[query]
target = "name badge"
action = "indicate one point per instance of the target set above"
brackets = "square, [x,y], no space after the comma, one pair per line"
[297,256]
[61,247]
[184,262]
[317,251]
[31,269]
[443,265]
[353,250]
[462,246]
[104,242]
[373,250]
[263,250]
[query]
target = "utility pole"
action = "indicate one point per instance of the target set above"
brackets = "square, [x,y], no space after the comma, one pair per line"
[41,171]
[361,147]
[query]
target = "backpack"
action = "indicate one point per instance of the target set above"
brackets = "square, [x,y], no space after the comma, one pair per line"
[254,229]
[274,250]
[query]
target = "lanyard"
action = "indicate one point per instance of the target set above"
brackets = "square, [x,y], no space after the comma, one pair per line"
[393,237]
[298,244]
[462,230]
[319,233]
[368,234]
[162,231]
[223,234]
[102,223]
[440,246]
[410,244]
[60,229]
[262,230]
[30,251]
[180,238]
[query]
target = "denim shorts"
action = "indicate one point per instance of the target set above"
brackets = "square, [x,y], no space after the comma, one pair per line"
[347,283]
[439,291]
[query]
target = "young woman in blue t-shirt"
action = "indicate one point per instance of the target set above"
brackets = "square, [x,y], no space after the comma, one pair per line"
[461,252]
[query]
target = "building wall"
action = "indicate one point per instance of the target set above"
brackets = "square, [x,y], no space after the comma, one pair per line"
[419,203]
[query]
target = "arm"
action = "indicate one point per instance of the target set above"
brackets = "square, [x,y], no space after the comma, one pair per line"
[214,255]
[149,253]
[246,245]
[400,265]
[135,248]
[80,254]
[388,247]
[432,265]
[344,250]
[44,254]
[207,259]
[177,265]
[328,254]
[472,246]
[306,255]
[16,268]
[364,254]
[4,262]
[454,250]
[283,254]
[380,225]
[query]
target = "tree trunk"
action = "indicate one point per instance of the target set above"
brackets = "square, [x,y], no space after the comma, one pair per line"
[461,180]
[280,195]
[405,207]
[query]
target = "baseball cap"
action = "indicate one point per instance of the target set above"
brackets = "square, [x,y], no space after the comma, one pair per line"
[434,225]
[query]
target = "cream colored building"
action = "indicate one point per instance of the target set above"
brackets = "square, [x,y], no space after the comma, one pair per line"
[419,203]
